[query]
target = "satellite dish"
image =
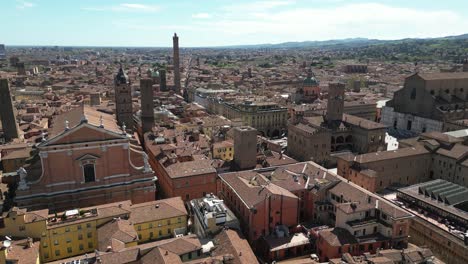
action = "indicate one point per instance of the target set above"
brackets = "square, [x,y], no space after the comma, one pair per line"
[7,243]
[8,238]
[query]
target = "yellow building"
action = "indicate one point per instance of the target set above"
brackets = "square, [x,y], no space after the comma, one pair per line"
[223,150]
[80,231]
[159,219]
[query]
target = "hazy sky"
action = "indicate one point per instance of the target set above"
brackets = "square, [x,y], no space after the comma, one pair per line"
[223,22]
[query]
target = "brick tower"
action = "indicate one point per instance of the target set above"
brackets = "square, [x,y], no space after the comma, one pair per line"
[162,80]
[245,147]
[147,104]
[175,43]
[123,99]
[7,112]
[336,93]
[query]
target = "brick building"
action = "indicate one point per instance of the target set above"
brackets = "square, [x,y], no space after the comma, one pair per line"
[181,163]
[86,160]
[363,222]
[317,137]
[432,155]
[429,102]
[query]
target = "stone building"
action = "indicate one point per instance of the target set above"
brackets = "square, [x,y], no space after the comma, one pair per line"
[316,137]
[427,102]
[267,117]
[86,160]
[7,112]
[123,100]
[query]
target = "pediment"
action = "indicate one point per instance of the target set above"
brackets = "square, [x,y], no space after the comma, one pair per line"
[83,133]
[88,157]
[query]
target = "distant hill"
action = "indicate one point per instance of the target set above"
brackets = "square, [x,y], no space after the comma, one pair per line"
[349,42]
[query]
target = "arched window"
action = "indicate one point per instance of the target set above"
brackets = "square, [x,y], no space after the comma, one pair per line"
[89,173]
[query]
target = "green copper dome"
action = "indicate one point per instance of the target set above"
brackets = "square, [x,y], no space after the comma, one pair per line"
[311,81]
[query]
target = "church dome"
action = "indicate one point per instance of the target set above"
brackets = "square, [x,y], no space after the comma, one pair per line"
[310,80]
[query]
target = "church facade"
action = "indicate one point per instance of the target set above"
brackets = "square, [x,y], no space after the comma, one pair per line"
[87,160]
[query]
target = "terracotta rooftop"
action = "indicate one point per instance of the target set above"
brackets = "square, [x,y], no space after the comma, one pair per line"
[443,76]
[116,234]
[157,210]
[78,114]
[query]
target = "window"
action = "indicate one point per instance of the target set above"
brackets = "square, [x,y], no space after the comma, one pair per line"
[169,222]
[90,235]
[88,225]
[413,94]
[139,228]
[179,220]
[168,231]
[22,228]
[78,227]
[57,252]
[81,247]
[69,249]
[89,173]
[80,237]
[56,242]
[68,240]
[151,234]
[46,255]
[90,245]
[44,245]
[160,232]
[67,229]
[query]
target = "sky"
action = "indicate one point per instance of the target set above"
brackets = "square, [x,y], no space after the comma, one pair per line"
[202,23]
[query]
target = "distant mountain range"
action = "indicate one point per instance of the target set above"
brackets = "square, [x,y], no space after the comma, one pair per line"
[341,42]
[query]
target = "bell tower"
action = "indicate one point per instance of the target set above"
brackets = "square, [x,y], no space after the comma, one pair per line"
[123,99]
[336,93]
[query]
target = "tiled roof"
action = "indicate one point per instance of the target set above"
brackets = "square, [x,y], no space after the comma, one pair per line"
[76,115]
[253,187]
[118,229]
[157,210]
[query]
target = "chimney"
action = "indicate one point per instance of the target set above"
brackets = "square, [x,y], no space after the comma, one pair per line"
[30,242]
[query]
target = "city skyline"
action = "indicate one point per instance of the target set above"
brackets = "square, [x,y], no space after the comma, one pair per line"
[222,23]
